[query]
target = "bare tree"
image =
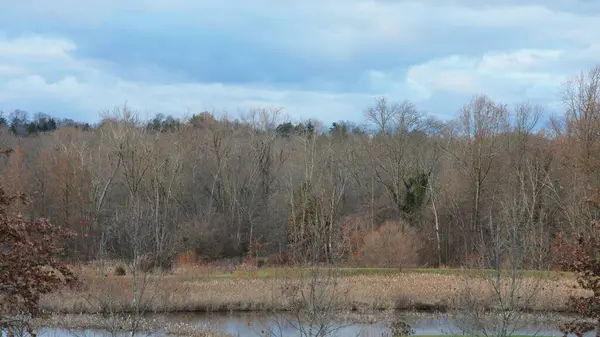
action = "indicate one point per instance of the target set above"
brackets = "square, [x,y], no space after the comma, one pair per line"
[314,308]
[135,242]
[581,97]
[103,165]
[476,150]
[391,117]
[69,180]
[394,167]
[512,216]
[316,194]
[501,310]
[164,173]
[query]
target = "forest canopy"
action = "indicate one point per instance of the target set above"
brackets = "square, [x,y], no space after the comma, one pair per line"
[441,192]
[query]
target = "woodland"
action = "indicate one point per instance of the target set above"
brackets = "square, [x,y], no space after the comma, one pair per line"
[398,188]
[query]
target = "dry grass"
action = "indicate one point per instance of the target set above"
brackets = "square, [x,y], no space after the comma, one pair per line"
[189,270]
[202,288]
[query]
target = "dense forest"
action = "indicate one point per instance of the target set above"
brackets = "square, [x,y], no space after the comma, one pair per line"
[398,188]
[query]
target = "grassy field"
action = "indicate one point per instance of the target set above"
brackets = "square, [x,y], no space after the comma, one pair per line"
[203,289]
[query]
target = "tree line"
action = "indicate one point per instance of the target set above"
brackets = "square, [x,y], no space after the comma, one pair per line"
[397,188]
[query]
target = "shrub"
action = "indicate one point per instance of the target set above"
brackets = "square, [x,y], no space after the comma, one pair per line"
[354,240]
[187,258]
[391,245]
[120,270]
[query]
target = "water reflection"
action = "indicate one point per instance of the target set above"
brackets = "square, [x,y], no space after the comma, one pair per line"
[253,324]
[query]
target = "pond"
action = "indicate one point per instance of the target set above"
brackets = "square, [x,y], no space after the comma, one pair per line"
[374,325]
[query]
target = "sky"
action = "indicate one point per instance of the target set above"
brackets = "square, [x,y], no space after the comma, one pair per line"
[321,59]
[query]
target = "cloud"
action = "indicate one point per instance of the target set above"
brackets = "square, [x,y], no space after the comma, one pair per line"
[83,87]
[315,58]
[504,73]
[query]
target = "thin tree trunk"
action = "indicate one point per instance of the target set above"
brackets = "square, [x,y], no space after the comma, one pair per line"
[437,228]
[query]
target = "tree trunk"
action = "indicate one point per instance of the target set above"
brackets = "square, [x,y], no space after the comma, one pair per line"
[437,229]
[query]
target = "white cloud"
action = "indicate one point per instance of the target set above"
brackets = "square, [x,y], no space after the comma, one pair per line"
[327,29]
[84,88]
[35,47]
[542,42]
[513,76]
[524,60]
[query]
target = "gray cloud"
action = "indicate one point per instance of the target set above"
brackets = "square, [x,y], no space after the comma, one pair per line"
[316,58]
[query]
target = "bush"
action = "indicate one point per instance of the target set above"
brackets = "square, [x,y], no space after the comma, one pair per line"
[187,258]
[391,245]
[120,270]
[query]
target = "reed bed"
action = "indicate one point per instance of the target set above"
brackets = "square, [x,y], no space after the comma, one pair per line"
[211,289]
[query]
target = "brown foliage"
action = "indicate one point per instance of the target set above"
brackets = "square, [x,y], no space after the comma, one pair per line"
[581,257]
[187,258]
[354,232]
[391,245]
[28,260]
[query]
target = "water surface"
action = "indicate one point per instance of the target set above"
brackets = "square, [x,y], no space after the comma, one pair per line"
[254,324]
